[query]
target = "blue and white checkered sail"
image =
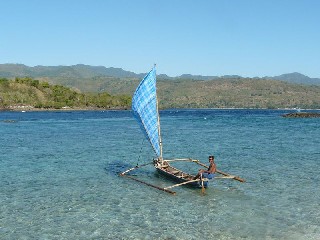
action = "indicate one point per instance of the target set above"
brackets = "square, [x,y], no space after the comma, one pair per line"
[145,109]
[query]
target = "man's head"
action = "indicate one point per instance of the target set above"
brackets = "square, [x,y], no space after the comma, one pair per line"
[211,158]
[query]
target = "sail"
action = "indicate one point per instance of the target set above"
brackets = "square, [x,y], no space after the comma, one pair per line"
[145,109]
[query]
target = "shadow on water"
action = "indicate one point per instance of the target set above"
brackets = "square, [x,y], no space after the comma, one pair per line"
[9,121]
[116,167]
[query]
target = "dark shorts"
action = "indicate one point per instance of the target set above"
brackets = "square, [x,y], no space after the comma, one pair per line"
[208,175]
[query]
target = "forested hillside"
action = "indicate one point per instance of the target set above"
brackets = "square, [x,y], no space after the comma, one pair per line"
[84,86]
[182,93]
[238,93]
[28,93]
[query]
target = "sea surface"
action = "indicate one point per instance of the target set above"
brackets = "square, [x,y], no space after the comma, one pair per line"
[59,176]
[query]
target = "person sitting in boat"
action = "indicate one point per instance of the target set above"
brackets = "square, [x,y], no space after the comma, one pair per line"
[208,173]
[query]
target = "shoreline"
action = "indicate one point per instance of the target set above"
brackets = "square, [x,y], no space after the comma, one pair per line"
[128,108]
[65,109]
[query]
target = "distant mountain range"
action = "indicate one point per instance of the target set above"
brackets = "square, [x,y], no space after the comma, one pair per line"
[297,78]
[87,71]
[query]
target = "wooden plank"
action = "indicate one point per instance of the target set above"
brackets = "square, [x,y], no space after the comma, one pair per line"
[149,184]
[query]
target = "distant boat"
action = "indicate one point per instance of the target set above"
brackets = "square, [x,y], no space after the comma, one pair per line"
[145,110]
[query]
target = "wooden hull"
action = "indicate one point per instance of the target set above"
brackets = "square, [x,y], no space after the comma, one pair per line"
[178,175]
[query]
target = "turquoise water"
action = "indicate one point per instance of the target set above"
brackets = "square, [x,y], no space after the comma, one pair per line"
[58,173]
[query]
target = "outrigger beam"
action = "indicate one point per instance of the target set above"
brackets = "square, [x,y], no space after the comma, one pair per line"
[179,184]
[223,173]
[136,167]
[181,159]
[123,174]
[148,184]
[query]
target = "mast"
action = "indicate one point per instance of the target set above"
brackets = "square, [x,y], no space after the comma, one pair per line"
[159,130]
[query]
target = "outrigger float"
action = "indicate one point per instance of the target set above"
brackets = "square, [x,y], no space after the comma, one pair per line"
[145,110]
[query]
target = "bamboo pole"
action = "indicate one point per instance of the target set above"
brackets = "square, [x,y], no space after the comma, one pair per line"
[226,177]
[234,177]
[223,173]
[150,185]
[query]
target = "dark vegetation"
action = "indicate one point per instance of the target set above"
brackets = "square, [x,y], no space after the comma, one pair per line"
[302,115]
